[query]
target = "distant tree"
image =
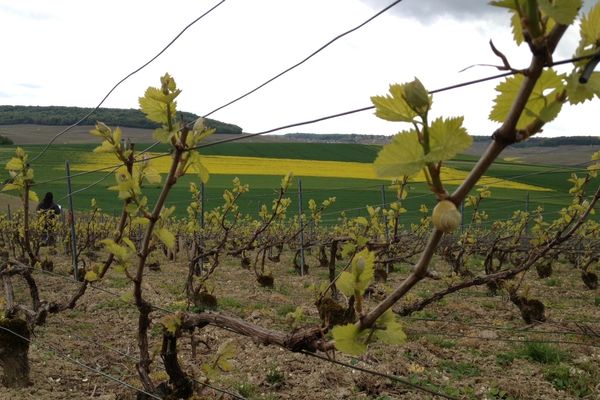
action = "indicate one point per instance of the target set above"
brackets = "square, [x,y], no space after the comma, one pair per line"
[56,115]
[4,140]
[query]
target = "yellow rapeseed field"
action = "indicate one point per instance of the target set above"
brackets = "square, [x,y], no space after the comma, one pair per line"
[234,165]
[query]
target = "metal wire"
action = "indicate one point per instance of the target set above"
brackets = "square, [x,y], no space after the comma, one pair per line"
[394,378]
[87,367]
[123,80]
[98,343]
[391,377]
[305,59]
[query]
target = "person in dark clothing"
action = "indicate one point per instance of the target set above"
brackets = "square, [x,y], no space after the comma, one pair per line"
[52,210]
[48,204]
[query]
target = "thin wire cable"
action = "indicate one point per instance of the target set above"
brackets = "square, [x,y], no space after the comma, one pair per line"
[499,339]
[305,59]
[89,186]
[99,343]
[85,366]
[123,80]
[365,370]
[307,122]
[100,169]
[499,328]
[394,378]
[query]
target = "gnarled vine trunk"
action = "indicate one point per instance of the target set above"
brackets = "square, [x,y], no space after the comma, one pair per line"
[14,352]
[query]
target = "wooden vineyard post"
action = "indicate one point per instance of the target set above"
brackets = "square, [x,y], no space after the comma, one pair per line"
[201,233]
[71,221]
[385,220]
[462,216]
[301,220]
[527,211]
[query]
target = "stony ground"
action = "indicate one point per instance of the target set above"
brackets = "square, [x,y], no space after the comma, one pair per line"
[470,345]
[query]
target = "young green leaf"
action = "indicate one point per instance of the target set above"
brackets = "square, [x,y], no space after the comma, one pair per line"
[347,249]
[11,186]
[538,101]
[392,332]
[590,27]
[363,269]
[347,339]
[154,105]
[447,138]
[402,156]
[580,93]
[171,322]
[196,165]
[361,221]
[162,135]
[345,283]
[129,243]
[105,147]
[562,11]
[15,164]
[510,4]
[165,236]
[33,196]
[394,107]
[152,175]
[91,276]
[226,352]
[121,253]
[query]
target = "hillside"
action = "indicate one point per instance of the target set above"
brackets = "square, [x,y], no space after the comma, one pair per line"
[28,125]
[382,139]
[564,150]
[29,134]
[54,116]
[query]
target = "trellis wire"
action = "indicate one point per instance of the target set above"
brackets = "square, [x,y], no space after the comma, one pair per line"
[85,366]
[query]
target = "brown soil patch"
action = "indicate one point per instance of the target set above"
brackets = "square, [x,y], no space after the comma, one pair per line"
[469,345]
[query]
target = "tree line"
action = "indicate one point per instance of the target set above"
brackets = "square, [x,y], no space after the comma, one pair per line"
[58,115]
[550,142]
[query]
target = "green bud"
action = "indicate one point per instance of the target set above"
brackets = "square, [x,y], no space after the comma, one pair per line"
[417,96]
[360,265]
[199,125]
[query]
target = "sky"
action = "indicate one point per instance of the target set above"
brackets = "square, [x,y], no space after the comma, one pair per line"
[71,53]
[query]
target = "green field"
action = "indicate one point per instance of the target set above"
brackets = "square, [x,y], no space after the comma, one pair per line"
[352,194]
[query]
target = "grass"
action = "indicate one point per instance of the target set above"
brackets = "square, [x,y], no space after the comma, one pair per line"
[245,389]
[352,194]
[114,303]
[543,353]
[304,151]
[576,382]
[283,310]
[441,342]
[274,376]
[497,393]
[552,282]
[230,303]
[118,282]
[459,369]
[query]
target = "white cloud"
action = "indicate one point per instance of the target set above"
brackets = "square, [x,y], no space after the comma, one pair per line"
[431,10]
[76,56]
[24,13]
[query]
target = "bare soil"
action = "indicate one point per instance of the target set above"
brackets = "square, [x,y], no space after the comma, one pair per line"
[470,345]
[23,134]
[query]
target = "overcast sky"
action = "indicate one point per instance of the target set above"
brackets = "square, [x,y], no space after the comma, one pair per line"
[71,53]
